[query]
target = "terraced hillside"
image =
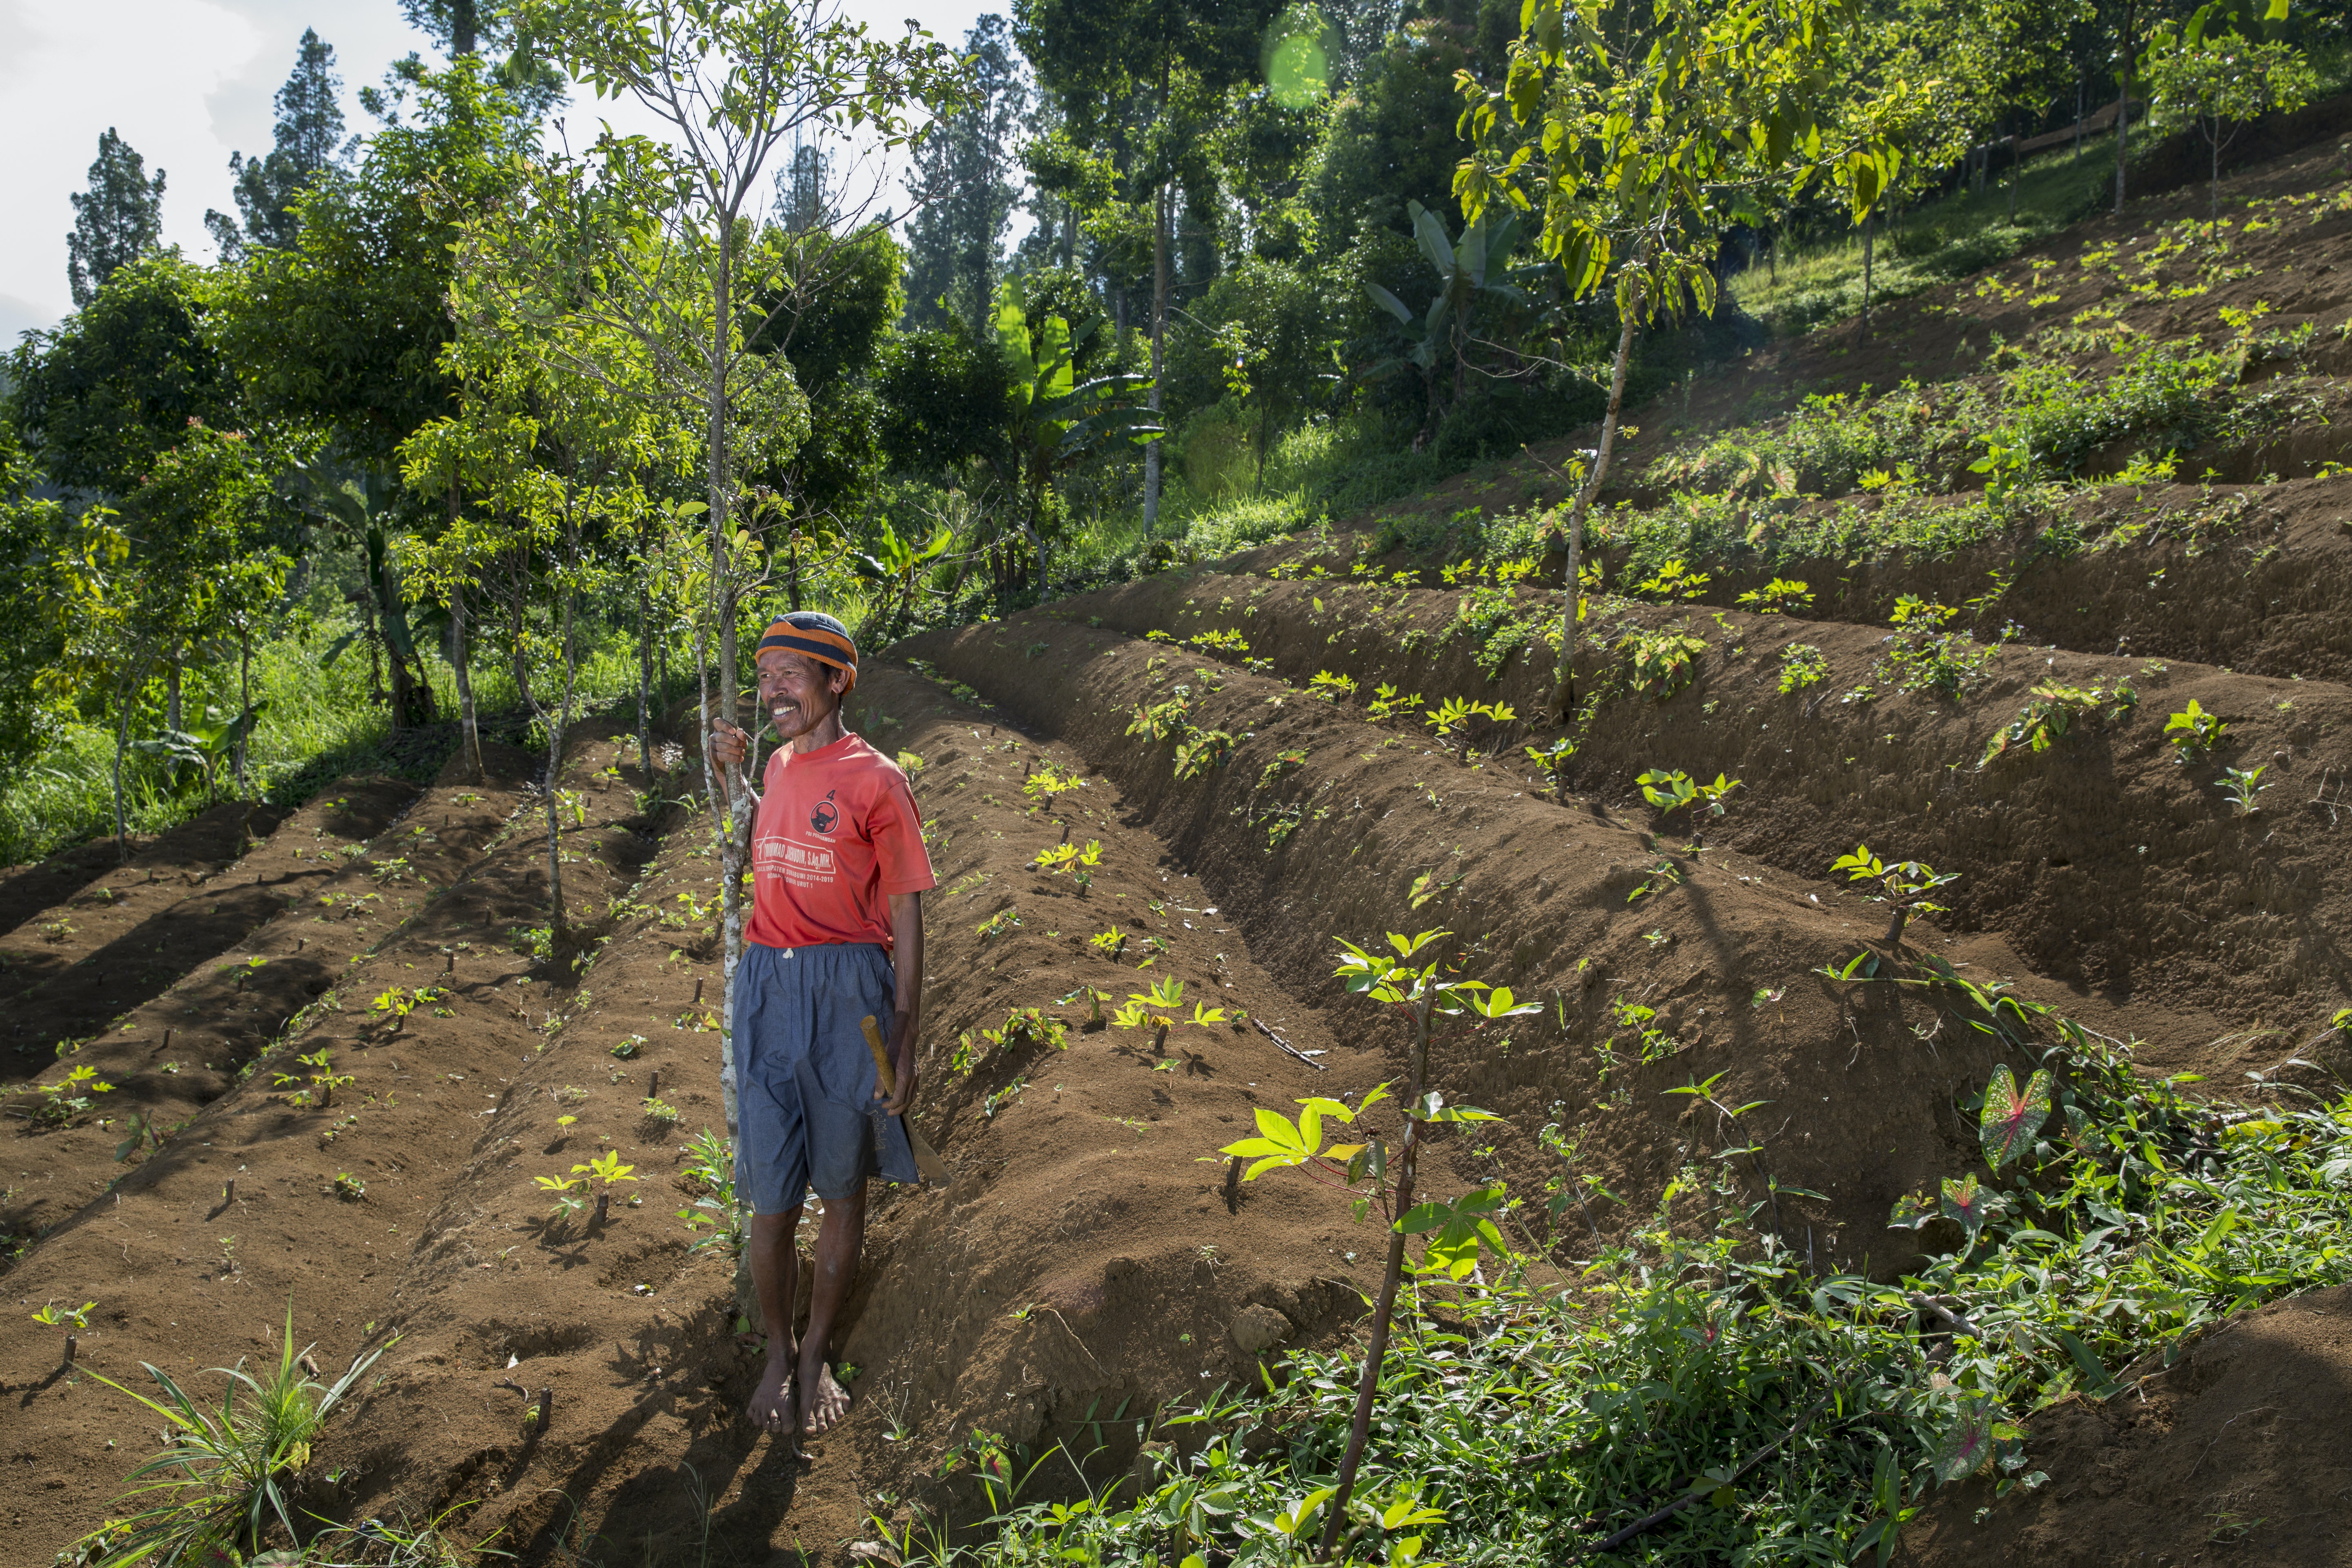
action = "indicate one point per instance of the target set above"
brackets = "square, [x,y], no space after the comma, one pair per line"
[1256,759]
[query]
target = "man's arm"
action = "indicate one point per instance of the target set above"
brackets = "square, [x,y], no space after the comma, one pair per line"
[906,958]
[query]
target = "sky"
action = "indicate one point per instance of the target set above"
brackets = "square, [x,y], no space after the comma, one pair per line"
[186,82]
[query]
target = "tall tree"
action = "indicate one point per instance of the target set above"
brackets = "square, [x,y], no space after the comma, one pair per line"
[617,234]
[310,134]
[119,220]
[966,167]
[1105,59]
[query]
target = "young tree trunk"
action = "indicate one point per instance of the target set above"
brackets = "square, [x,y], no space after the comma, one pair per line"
[556,725]
[645,677]
[2123,109]
[2014,160]
[1384,1308]
[1151,459]
[244,705]
[461,667]
[2213,140]
[122,746]
[1868,226]
[1564,692]
[171,691]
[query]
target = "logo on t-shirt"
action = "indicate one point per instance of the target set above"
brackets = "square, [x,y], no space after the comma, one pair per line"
[826,815]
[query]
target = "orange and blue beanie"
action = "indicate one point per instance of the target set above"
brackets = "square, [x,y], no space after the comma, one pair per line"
[816,635]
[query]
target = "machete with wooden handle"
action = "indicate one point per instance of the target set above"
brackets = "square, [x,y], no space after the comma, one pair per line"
[927,1159]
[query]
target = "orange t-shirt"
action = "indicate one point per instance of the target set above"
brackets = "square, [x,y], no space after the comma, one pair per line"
[835,836]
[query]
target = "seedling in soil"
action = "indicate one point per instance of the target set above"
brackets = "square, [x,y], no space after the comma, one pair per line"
[2051,712]
[349,1188]
[659,1109]
[1047,782]
[1411,978]
[1926,657]
[1386,702]
[396,1002]
[1110,943]
[1062,858]
[1907,885]
[59,1102]
[2238,785]
[1203,749]
[1802,665]
[1674,792]
[997,924]
[2193,731]
[1330,688]
[319,1083]
[1003,1098]
[1664,874]
[1206,1016]
[1450,720]
[1777,597]
[141,1130]
[1283,763]
[629,1048]
[1553,759]
[1665,662]
[1160,721]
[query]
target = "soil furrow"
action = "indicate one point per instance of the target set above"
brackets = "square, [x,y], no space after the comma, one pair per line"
[2111,866]
[142,939]
[190,1273]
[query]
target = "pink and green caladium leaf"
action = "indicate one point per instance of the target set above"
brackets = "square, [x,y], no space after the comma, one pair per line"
[1967,1443]
[2011,1118]
[1965,1202]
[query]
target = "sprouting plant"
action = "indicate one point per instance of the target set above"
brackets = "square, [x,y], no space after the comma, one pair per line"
[223,1476]
[1201,750]
[1003,1098]
[1673,792]
[349,1188]
[1062,858]
[67,1098]
[396,1002]
[1802,665]
[1642,1039]
[1672,582]
[1159,721]
[1450,720]
[1554,759]
[1049,780]
[76,1319]
[1777,597]
[2051,712]
[1000,922]
[1332,687]
[1926,656]
[1413,977]
[1387,701]
[318,1085]
[1110,944]
[1206,1016]
[629,1048]
[390,869]
[692,911]
[2194,732]
[2238,785]
[1663,874]
[710,1168]
[1665,661]
[1907,885]
[657,1108]
[1284,762]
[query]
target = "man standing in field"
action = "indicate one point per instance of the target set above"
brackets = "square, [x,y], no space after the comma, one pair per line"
[838,872]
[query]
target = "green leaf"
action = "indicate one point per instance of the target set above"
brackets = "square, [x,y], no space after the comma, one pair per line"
[2011,1118]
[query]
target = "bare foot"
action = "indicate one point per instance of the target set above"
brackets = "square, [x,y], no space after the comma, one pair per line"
[827,1405]
[771,1409]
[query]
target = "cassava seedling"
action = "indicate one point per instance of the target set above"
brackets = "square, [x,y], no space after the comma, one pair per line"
[1411,977]
[2238,785]
[1449,720]
[72,1319]
[1907,885]
[2194,732]
[1674,791]
[1554,759]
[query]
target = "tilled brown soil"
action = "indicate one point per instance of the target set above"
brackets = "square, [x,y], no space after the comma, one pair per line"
[142,928]
[194,1256]
[2108,866]
[198,846]
[2231,1451]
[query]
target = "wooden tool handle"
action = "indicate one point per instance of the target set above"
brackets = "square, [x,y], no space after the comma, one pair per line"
[888,1079]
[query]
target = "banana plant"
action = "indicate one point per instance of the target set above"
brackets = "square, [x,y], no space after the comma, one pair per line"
[1052,420]
[1463,270]
[206,745]
[352,506]
[896,568]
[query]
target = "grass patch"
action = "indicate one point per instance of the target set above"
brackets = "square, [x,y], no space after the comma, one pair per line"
[1796,1417]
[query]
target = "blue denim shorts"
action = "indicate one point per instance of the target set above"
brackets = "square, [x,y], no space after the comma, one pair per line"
[805,1080]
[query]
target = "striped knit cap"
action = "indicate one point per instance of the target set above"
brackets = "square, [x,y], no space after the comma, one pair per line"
[816,635]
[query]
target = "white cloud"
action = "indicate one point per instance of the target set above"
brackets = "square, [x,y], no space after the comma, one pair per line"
[188,81]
